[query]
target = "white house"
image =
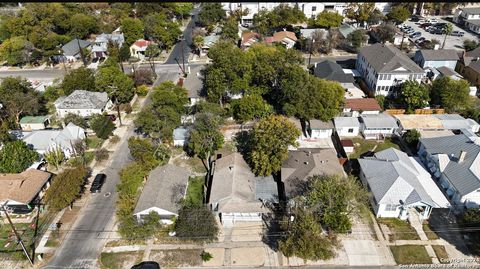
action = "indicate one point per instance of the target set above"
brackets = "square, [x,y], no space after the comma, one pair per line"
[347,126]
[166,186]
[360,106]
[43,141]
[398,184]
[384,68]
[436,58]
[377,126]
[137,49]
[455,164]
[208,42]
[236,194]
[31,123]
[83,103]
[320,129]
[100,46]
[463,15]
[180,136]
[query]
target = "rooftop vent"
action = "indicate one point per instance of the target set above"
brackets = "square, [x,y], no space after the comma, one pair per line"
[305,162]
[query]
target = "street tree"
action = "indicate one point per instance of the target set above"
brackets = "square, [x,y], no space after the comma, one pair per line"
[18,98]
[250,107]
[414,95]
[357,38]
[75,119]
[161,30]
[198,42]
[211,13]
[117,84]
[376,17]
[412,137]
[271,137]
[453,95]
[16,156]
[281,16]
[205,137]
[470,44]
[360,12]
[385,32]
[398,14]
[327,19]
[55,157]
[102,126]
[448,31]
[81,25]
[65,188]
[146,153]
[16,50]
[78,79]
[230,29]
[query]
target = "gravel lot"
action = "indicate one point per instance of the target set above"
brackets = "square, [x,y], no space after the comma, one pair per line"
[453,42]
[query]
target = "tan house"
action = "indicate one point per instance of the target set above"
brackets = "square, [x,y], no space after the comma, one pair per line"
[469,67]
[287,38]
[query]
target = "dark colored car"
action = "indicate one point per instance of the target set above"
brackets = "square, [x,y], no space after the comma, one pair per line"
[425,25]
[414,19]
[98,183]
[147,265]
[415,35]
[439,31]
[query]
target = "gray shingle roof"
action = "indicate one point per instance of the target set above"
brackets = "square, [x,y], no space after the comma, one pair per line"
[81,99]
[439,55]
[381,120]
[461,175]
[71,48]
[448,72]
[471,10]
[318,124]
[341,122]
[165,187]
[332,71]
[388,58]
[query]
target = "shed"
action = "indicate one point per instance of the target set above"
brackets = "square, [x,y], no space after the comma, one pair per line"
[31,123]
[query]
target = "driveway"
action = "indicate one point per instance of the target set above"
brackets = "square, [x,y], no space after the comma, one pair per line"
[361,252]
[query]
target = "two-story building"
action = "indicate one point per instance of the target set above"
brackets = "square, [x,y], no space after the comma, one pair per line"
[384,68]
[436,58]
[463,15]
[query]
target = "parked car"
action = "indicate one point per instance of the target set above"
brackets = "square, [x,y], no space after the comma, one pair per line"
[407,29]
[457,33]
[425,25]
[420,40]
[410,31]
[421,21]
[112,117]
[415,35]
[414,18]
[98,183]
[432,21]
[147,265]
[438,31]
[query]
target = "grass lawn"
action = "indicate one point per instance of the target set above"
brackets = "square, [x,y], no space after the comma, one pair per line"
[410,254]
[120,260]
[195,190]
[362,146]
[93,142]
[7,235]
[401,230]
[441,253]
[431,235]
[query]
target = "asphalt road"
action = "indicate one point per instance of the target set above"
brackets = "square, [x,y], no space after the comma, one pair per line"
[46,75]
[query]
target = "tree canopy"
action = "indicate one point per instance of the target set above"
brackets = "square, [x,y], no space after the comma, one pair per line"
[196,223]
[78,79]
[102,125]
[327,19]
[266,22]
[357,38]
[414,95]
[161,30]
[75,119]
[360,12]
[132,30]
[385,32]
[117,84]
[18,98]
[398,14]
[16,50]
[453,95]
[65,188]
[250,107]
[146,153]
[211,13]
[16,156]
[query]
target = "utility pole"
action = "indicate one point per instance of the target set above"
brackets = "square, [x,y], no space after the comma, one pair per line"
[183,70]
[183,56]
[116,103]
[19,239]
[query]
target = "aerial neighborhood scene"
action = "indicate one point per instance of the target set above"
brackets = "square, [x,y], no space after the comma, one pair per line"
[239,135]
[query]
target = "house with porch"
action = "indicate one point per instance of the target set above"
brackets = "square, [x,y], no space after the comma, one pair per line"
[287,38]
[71,50]
[454,162]
[360,106]
[377,126]
[137,49]
[163,192]
[83,103]
[100,45]
[398,184]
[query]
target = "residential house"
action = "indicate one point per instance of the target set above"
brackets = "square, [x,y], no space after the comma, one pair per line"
[473,25]
[330,70]
[31,123]
[83,103]
[236,194]
[308,33]
[100,46]
[137,49]
[180,136]
[455,164]
[346,29]
[314,134]
[163,192]
[360,106]
[399,184]
[385,68]
[447,72]
[347,126]
[468,17]
[286,38]
[304,163]
[435,122]
[20,192]
[436,58]
[377,126]
[208,42]
[43,141]
[71,50]
[40,86]
[194,84]
[469,66]
[320,129]
[248,39]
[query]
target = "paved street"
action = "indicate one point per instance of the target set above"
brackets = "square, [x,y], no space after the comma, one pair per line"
[48,75]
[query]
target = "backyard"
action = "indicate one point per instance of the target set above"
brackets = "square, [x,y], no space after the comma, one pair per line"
[399,230]
[363,146]
[195,191]
[411,254]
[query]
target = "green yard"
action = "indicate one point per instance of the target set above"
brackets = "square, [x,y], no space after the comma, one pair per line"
[400,230]
[362,146]
[441,253]
[120,260]
[431,235]
[410,254]
[195,190]
[7,237]
[93,142]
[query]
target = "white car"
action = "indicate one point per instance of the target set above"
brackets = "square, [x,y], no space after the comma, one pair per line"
[421,21]
[432,21]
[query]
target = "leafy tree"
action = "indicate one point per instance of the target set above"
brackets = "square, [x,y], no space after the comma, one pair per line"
[5,136]
[146,153]
[376,17]
[359,12]
[282,15]
[385,32]
[414,95]
[131,179]
[65,188]
[448,31]
[78,79]
[271,137]
[183,9]
[143,77]
[81,25]
[161,30]
[198,42]
[197,223]
[211,13]
[328,19]
[412,137]
[205,137]
[250,107]
[18,98]
[381,101]
[52,93]
[16,50]
[357,38]
[55,156]
[399,14]
[76,119]
[117,84]
[124,54]
[16,156]
[469,44]
[151,52]
[305,238]
[453,95]
[206,107]
[102,126]
[132,30]
[230,29]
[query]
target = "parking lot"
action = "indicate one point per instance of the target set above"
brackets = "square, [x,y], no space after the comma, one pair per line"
[453,42]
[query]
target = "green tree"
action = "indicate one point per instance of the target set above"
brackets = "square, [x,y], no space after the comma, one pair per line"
[131,179]
[65,188]
[271,137]
[16,50]
[359,12]
[161,30]
[357,38]
[55,156]
[230,30]
[75,119]
[448,31]
[412,137]
[102,126]
[376,17]
[132,29]
[211,13]
[18,98]
[398,14]
[147,153]
[328,19]
[381,101]
[469,44]
[151,52]
[282,15]
[52,93]
[117,84]
[250,107]
[78,79]
[453,95]
[205,137]
[196,223]
[16,156]
[385,32]
[414,95]
[81,25]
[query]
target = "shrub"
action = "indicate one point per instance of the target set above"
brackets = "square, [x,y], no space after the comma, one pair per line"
[101,155]
[66,187]
[75,119]
[196,222]
[142,90]
[115,139]
[412,137]
[206,256]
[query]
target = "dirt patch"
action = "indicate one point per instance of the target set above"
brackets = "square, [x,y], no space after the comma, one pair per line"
[177,258]
[120,260]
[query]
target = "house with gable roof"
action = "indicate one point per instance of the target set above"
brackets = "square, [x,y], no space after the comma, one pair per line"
[83,103]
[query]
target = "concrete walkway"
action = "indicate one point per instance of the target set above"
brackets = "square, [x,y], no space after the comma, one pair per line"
[383,245]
